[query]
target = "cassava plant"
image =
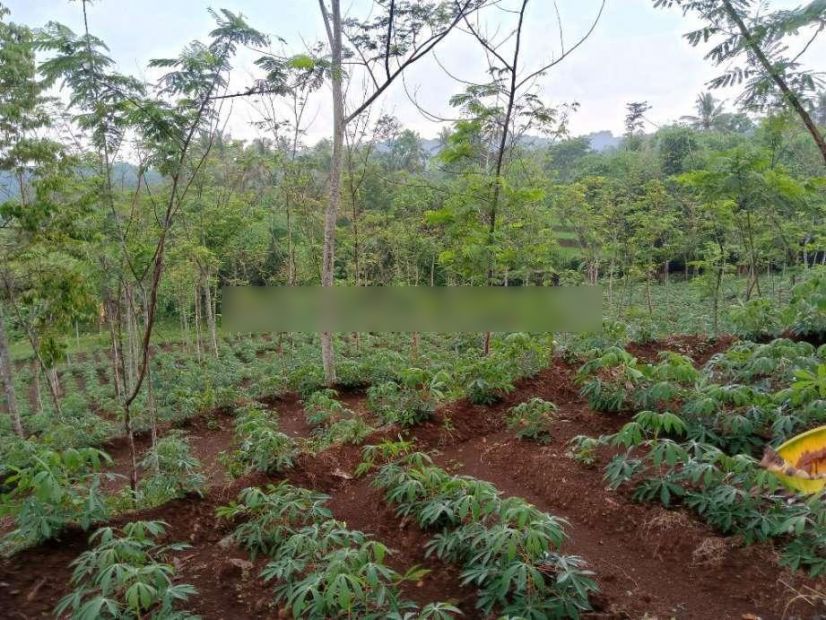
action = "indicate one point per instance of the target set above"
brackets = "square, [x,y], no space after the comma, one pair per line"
[127,575]
[533,419]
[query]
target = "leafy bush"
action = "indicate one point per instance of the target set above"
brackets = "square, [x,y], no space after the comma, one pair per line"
[53,490]
[325,570]
[385,451]
[584,450]
[126,575]
[382,365]
[172,470]
[270,514]
[322,569]
[527,355]
[755,319]
[591,344]
[411,400]
[79,430]
[321,408]
[732,493]
[306,379]
[806,315]
[610,381]
[261,446]
[532,419]
[351,430]
[487,380]
[350,374]
[667,381]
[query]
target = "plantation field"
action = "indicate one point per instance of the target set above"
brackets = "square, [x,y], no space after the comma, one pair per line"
[157,465]
[588,476]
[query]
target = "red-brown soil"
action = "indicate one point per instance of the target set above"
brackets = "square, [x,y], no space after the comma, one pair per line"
[647,560]
[697,347]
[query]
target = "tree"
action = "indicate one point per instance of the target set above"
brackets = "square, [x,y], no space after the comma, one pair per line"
[708,112]
[18,99]
[39,228]
[759,198]
[635,123]
[745,32]
[399,34]
[176,128]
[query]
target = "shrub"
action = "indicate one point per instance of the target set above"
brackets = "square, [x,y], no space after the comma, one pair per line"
[172,470]
[323,569]
[126,575]
[411,400]
[270,514]
[508,548]
[584,450]
[321,408]
[610,381]
[352,430]
[385,451]
[532,420]
[526,354]
[52,490]
[732,493]
[306,379]
[755,319]
[806,315]
[487,380]
[261,446]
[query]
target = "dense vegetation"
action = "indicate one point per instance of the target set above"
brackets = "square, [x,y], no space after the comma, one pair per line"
[128,206]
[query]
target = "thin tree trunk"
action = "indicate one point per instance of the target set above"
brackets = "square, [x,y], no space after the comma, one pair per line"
[290,248]
[38,396]
[210,312]
[717,286]
[117,362]
[334,25]
[7,377]
[198,323]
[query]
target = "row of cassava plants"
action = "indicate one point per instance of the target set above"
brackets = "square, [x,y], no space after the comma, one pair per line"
[730,492]
[699,433]
[319,567]
[508,549]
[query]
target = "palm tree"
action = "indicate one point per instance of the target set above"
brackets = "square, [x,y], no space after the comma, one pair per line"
[708,110]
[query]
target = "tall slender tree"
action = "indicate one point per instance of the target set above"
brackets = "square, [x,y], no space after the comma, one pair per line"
[752,43]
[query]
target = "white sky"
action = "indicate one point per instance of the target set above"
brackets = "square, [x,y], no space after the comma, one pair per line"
[636,53]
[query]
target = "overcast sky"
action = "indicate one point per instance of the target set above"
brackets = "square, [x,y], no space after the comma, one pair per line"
[636,53]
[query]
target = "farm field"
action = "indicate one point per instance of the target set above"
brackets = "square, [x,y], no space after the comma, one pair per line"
[527,423]
[413,310]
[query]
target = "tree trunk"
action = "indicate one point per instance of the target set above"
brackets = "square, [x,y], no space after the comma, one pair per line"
[290,248]
[717,286]
[55,390]
[331,214]
[38,399]
[198,323]
[117,362]
[210,315]
[7,378]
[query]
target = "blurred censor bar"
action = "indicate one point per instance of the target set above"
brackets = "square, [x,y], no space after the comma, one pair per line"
[411,309]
